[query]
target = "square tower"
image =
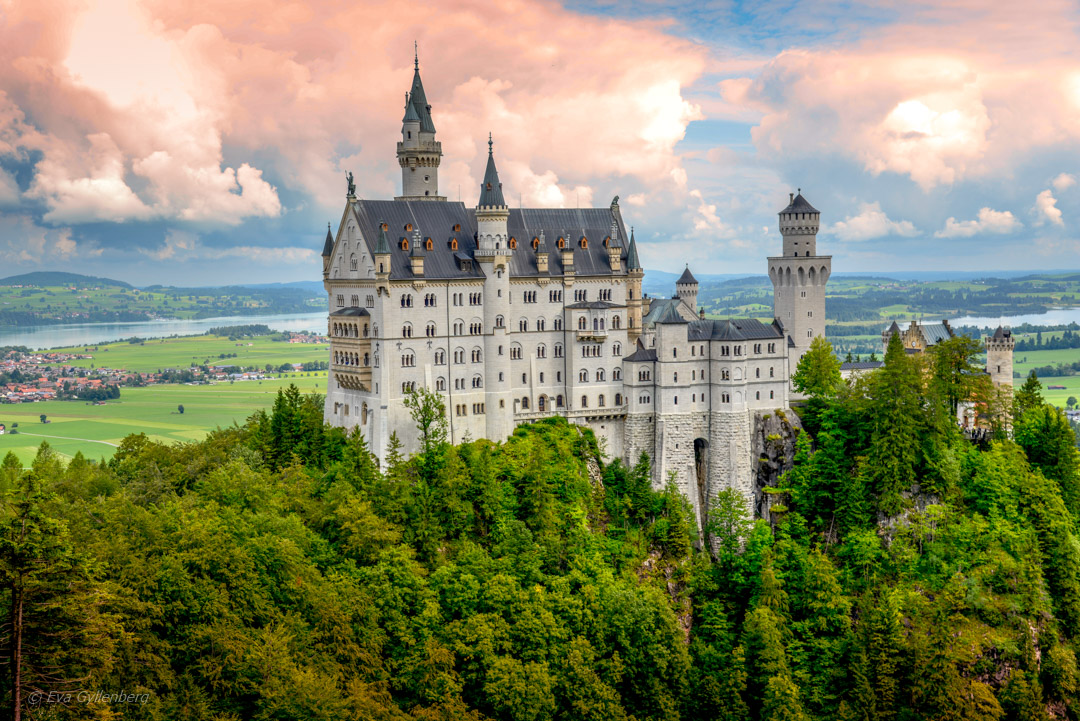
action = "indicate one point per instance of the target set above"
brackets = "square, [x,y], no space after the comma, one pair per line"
[799,276]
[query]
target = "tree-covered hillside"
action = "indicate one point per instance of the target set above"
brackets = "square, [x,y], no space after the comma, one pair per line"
[274,571]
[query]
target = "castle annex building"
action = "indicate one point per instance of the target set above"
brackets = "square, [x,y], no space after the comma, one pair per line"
[516,314]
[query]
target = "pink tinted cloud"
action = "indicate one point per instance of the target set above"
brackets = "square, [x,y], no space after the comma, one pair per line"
[949,93]
[134,106]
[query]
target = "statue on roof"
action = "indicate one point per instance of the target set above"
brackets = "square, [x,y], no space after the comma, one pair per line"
[352,185]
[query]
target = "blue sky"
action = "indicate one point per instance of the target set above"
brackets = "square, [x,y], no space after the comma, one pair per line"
[191,145]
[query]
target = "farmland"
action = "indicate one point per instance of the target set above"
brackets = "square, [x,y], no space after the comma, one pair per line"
[96,430]
[185,351]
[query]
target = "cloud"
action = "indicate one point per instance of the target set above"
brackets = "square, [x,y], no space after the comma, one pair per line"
[1046,209]
[871,222]
[988,221]
[1064,181]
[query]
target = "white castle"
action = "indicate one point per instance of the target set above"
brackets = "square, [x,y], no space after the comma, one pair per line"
[516,314]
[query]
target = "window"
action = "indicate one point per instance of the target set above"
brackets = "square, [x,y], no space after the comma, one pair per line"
[408,386]
[618,399]
[524,378]
[406,300]
[676,400]
[558,350]
[771,374]
[540,324]
[440,357]
[541,404]
[408,360]
[352,262]
[757,372]
[557,323]
[674,352]
[616,349]
[524,403]
[584,401]
[725,374]
[644,399]
[600,374]
[404,243]
[459,355]
[809,314]
[478,409]
[541,377]
[354,301]
[406,331]
[581,295]
[554,296]
[515,352]
[370,301]
[459,327]
[453,244]
[476,355]
[541,351]
[341,301]
[810,333]
[770,395]
[757,395]
[428,245]
[558,402]
[430,330]
[644,374]
[499,321]
[429,300]
[477,382]
[693,375]
[523,325]
[600,401]
[674,377]
[584,242]
[440,384]
[475,298]
[581,323]
[604,294]
[725,398]
[616,375]
[583,376]
[476,328]
[528,296]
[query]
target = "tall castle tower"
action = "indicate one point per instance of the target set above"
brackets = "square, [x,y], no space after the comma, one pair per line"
[635,274]
[686,288]
[999,357]
[419,154]
[799,276]
[493,254]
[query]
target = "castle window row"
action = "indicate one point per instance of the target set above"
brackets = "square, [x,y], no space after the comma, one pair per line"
[349,330]
[350,359]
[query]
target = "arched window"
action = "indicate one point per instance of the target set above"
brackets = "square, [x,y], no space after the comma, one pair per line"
[618,399]
[584,242]
[513,243]
[406,331]
[524,403]
[561,243]
[600,401]
[582,323]
[430,331]
[584,401]
[440,384]
[615,323]
[600,374]
[558,401]
[535,243]
[616,375]
[428,245]
[583,376]
[408,227]
[557,323]
[453,244]
[404,243]
[498,321]
[523,325]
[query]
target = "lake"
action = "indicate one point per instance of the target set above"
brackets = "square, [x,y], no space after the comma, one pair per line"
[1055,316]
[57,336]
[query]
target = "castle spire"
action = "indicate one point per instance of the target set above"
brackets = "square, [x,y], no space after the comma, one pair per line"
[419,99]
[419,154]
[328,245]
[632,262]
[491,190]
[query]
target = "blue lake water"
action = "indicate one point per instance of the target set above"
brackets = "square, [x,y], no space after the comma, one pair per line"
[1056,316]
[57,336]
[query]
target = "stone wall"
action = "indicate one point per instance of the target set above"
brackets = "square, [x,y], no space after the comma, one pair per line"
[772,453]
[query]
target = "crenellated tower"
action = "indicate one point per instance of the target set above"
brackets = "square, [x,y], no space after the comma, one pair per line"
[799,276]
[999,357]
[419,154]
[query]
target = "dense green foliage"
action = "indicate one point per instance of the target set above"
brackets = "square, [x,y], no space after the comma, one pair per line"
[275,571]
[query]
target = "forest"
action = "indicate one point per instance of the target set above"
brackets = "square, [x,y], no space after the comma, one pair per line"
[276,571]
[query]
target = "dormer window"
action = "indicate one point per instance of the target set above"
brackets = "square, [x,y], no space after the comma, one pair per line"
[584,242]
[489,186]
[561,242]
[536,243]
[408,227]
[513,244]
[453,244]
[429,245]
[404,243]
[457,227]
[607,241]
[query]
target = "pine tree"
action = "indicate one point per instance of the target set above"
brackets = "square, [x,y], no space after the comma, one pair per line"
[898,420]
[1028,396]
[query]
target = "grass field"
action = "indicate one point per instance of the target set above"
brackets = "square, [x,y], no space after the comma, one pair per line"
[96,430]
[186,351]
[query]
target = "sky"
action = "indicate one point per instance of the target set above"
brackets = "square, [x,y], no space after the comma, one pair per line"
[190,142]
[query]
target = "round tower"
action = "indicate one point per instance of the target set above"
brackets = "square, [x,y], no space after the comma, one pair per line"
[686,288]
[999,357]
[419,154]
[799,223]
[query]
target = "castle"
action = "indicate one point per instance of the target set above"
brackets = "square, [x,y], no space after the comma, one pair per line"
[517,314]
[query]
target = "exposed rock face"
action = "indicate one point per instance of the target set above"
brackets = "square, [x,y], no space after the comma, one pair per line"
[772,446]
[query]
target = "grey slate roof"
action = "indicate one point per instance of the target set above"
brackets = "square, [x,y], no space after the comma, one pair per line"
[670,315]
[642,354]
[491,189]
[350,312]
[657,308]
[686,278]
[328,245]
[799,204]
[935,332]
[1002,333]
[734,329]
[410,112]
[436,220]
[420,103]
[894,328]
[861,365]
[632,261]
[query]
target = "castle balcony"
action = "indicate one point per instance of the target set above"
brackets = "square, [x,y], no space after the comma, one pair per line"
[582,414]
[352,377]
[592,335]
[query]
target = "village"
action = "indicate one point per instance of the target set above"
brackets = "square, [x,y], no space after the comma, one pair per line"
[30,377]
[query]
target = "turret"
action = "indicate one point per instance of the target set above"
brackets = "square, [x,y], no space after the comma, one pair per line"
[541,253]
[382,254]
[491,212]
[799,223]
[416,255]
[419,154]
[999,357]
[634,300]
[614,245]
[327,250]
[686,288]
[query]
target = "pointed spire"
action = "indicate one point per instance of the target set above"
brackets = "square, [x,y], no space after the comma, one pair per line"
[632,262]
[382,246]
[328,246]
[410,112]
[416,55]
[491,189]
[419,99]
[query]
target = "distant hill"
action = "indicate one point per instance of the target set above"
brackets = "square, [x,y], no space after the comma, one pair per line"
[313,286]
[53,278]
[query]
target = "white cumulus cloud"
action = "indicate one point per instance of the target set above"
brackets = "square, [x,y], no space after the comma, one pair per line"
[1064,181]
[871,222]
[1046,210]
[988,221]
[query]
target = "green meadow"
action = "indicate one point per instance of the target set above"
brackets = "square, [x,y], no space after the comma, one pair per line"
[185,351]
[96,430]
